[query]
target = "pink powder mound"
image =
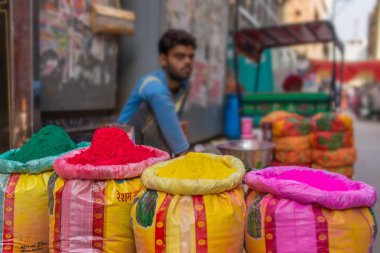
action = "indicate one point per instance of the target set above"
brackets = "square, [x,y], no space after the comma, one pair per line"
[310,186]
[316,179]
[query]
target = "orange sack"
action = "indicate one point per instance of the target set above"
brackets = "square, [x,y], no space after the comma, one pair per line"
[279,164]
[293,157]
[336,158]
[332,140]
[293,126]
[332,122]
[279,115]
[292,143]
[347,171]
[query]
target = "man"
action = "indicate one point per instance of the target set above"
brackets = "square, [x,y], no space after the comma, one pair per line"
[152,108]
[293,83]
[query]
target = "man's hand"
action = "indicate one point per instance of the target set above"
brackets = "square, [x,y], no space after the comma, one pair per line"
[182,154]
[185,128]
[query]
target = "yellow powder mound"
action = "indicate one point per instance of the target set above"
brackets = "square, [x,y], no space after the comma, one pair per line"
[196,166]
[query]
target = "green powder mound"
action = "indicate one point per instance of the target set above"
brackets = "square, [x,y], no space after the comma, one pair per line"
[49,141]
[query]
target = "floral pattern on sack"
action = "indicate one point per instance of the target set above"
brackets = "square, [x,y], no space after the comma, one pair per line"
[146,207]
[254,217]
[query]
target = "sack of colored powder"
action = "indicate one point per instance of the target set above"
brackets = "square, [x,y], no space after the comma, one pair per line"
[347,170]
[292,140]
[332,140]
[333,145]
[39,152]
[279,164]
[334,158]
[24,174]
[292,126]
[91,200]
[293,157]
[278,115]
[331,122]
[308,210]
[191,204]
[49,141]
[292,143]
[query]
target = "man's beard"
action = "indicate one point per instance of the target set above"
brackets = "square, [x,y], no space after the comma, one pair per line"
[175,76]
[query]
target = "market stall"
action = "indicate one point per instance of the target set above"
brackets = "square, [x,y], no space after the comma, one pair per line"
[253,41]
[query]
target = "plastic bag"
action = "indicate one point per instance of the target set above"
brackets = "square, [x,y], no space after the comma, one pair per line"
[190,215]
[88,215]
[24,214]
[332,140]
[279,164]
[293,157]
[278,115]
[334,158]
[293,143]
[90,205]
[347,171]
[309,211]
[293,126]
[31,167]
[331,122]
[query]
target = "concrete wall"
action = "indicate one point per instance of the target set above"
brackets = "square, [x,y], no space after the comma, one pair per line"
[138,53]
[208,22]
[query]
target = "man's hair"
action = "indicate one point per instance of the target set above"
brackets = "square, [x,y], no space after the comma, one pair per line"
[175,37]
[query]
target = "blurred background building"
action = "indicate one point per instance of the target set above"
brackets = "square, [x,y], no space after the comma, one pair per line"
[374,33]
[295,11]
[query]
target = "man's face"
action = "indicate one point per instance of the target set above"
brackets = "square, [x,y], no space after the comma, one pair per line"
[178,62]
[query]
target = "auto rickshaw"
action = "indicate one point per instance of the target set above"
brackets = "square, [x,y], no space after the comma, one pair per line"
[252,42]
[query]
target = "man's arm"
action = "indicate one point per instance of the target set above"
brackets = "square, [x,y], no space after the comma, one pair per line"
[162,105]
[129,108]
[123,117]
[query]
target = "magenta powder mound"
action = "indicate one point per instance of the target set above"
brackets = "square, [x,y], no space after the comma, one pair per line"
[318,180]
[309,186]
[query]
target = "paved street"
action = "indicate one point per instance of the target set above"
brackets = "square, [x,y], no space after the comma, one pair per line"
[367,135]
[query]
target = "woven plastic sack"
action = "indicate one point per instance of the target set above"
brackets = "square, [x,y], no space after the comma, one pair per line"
[279,164]
[334,158]
[90,205]
[331,122]
[347,171]
[184,215]
[332,140]
[293,143]
[293,157]
[31,167]
[293,126]
[278,115]
[24,215]
[292,209]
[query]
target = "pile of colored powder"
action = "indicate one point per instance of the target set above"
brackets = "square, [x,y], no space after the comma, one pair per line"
[111,146]
[49,141]
[316,179]
[196,166]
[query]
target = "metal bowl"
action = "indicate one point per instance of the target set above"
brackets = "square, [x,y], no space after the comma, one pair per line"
[254,154]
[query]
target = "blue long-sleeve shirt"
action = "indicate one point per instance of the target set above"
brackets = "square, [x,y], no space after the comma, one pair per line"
[154,90]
